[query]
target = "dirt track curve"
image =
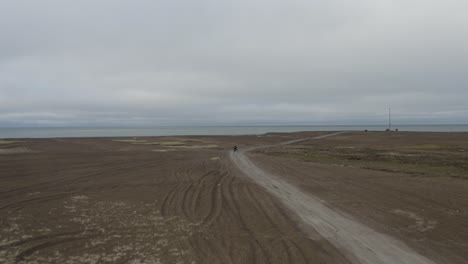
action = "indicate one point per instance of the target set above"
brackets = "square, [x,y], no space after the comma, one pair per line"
[359,243]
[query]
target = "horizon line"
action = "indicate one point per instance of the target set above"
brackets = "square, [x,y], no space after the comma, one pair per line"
[183,126]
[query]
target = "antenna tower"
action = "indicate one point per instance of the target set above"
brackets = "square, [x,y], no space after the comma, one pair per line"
[389,118]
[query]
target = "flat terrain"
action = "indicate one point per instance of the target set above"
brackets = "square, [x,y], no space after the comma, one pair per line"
[190,200]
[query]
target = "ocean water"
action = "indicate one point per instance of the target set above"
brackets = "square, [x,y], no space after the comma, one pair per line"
[52,132]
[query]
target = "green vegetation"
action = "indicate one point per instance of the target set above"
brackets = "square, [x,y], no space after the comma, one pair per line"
[134,141]
[8,142]
[183,143]
[146,142]
[434,160]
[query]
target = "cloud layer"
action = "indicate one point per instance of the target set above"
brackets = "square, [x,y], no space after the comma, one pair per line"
[115,62]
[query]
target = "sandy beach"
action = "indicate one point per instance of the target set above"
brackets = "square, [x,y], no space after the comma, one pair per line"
[355,197]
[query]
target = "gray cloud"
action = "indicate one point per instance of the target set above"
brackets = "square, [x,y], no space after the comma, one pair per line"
[232,62]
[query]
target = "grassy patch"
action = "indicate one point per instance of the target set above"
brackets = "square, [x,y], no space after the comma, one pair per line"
[130,140]
[184,143]
[200,146]
[173,143]
[427,146]
[4,142]
[418,160]
[146,142]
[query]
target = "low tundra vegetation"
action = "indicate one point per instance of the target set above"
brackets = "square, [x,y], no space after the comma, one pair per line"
[402,154]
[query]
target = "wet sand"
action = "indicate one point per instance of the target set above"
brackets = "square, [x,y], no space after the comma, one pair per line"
[184,200]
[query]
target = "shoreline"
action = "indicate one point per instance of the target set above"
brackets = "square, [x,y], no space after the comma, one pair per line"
[58,132]
[233,135]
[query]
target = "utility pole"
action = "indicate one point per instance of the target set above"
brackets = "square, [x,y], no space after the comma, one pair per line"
[389,118]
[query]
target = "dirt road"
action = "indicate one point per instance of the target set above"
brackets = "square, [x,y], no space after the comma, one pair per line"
[357,241]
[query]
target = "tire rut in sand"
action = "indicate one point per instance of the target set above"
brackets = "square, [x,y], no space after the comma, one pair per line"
[194,205]
[196,194]
[35,239]
[232,195]
[165,208]
[32,201]
[219,195]
[216,201]
[299,251]
[274,220]
[186,201]
[47,244]
[248,192]
[257,244]
[271,233]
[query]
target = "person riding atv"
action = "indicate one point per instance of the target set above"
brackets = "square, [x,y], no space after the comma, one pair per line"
[234,149]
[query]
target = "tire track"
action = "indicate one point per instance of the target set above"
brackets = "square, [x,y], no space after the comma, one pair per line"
[297,249]
[36,238]
[258,249]
[188,193]
[174,196]
[258,253]
[69,176]
[167,200]
[185,197]
[259,207]
[216,200]
[28,202]
[196,197]
[24,254]
[233,198]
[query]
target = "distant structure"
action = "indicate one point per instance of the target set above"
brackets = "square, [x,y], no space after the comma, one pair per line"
[389,119]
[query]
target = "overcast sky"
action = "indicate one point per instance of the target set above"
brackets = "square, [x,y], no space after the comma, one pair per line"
[219,62]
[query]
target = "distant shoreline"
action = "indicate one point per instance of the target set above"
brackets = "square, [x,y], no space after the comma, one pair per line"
[84,132]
